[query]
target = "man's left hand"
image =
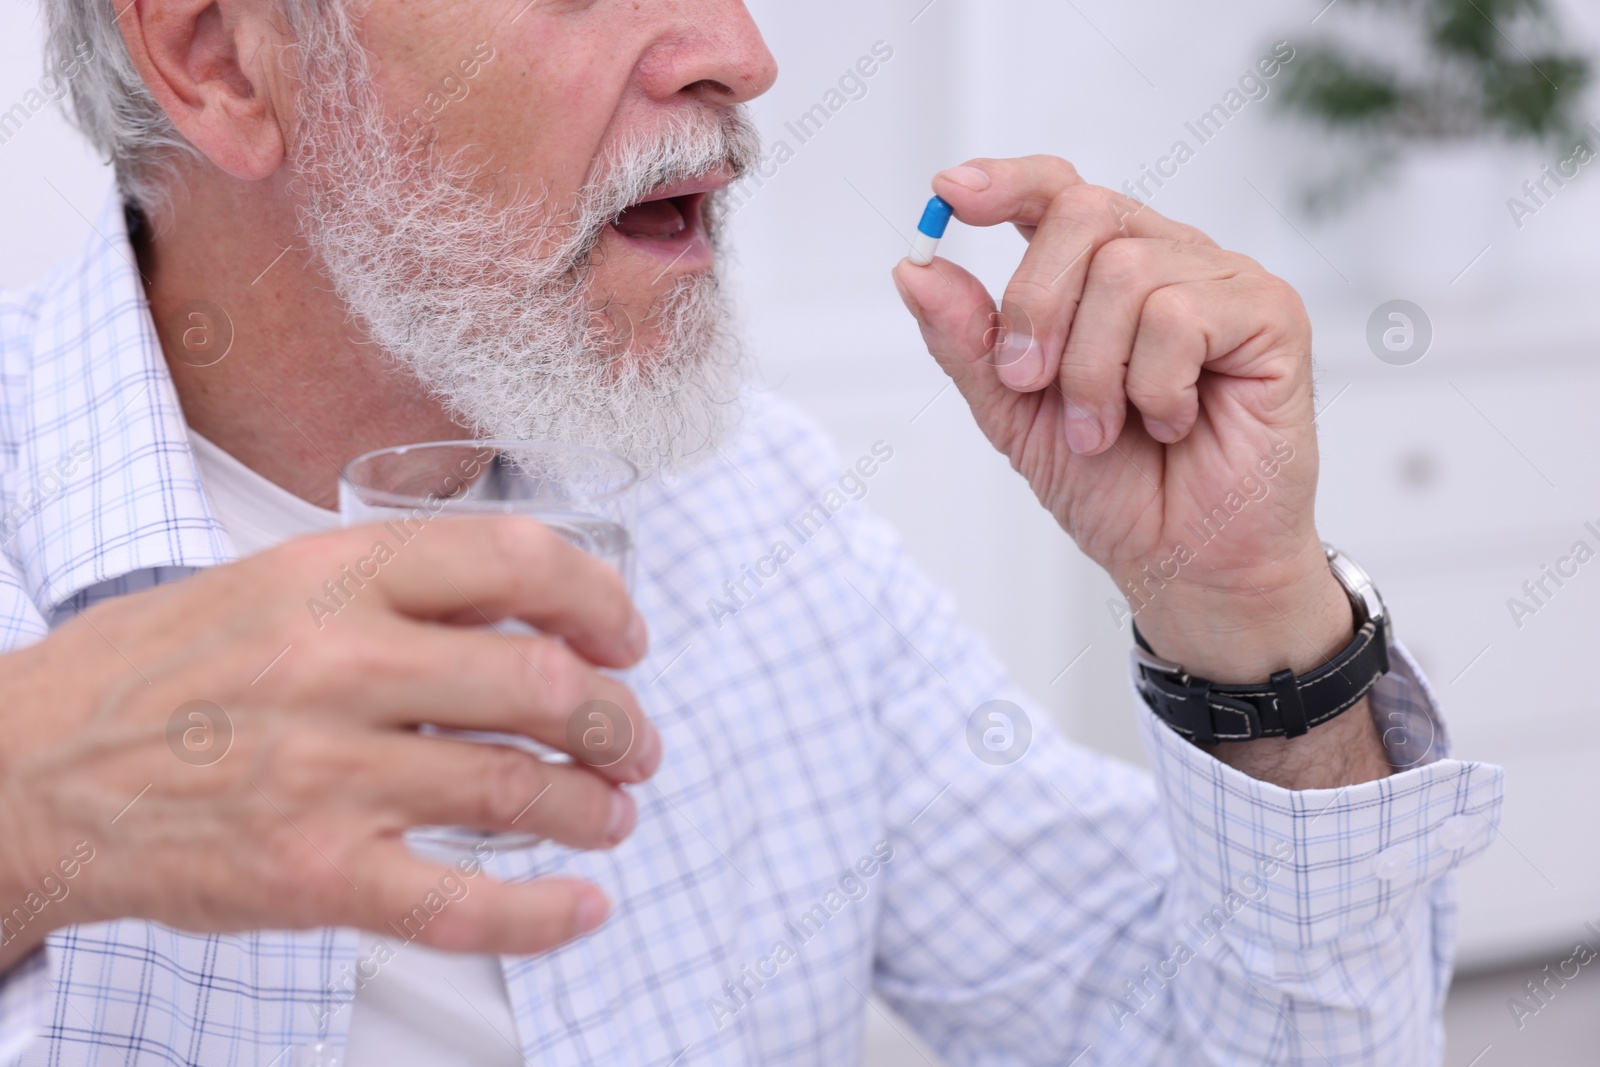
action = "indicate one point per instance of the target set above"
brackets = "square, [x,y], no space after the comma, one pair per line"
[1156,392]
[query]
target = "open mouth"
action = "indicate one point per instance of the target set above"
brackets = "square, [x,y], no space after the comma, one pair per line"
[670,219]
[670,224]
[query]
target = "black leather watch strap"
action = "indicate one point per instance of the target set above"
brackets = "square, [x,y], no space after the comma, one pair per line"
[1286,706]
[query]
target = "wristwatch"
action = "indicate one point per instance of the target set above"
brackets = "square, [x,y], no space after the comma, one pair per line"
[1286,705]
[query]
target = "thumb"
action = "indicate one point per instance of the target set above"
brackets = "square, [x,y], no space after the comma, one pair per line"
[965,332]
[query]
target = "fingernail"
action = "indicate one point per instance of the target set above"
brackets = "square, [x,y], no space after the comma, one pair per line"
[1161,431]
[623,815]
[650,752]
[1083,432]
[968,178]
[591,912]
[1019,359]
[639,633]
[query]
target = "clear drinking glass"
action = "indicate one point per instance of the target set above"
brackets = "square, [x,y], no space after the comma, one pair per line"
[587,495]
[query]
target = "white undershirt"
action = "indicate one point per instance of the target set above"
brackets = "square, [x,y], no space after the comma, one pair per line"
[407,1014]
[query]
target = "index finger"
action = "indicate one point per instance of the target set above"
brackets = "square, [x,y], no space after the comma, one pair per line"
[1067,222]
[1025,191]
[486,569]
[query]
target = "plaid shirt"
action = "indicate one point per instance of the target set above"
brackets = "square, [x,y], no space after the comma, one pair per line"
[823,825]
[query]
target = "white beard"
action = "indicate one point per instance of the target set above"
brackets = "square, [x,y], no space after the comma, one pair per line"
[502,331]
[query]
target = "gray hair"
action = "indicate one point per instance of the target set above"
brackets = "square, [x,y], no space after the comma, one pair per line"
[109,102]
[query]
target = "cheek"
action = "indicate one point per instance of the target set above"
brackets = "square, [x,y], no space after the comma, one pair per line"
[536,113]
[510,133]
[544,107]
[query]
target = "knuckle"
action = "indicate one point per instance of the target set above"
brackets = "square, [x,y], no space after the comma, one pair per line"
[1194,235]
[1277,290]
[510,782]
[1086,366]
[1291,322]
[1081,200]
[1167,310]
[297,763]
[306,557]
[1030,295]
[301,877]
[513,544]
[1152,394]
[1120,262]
[521,551]
[559,674]
[320,668]
[451,929]
[307,878]
[1245,265]
[1087,392]
[359,652]
[296,555]
[1056,167]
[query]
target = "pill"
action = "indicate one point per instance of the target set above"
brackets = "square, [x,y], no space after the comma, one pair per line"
[935,221]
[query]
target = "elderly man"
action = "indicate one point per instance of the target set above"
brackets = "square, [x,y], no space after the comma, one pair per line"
[324,243]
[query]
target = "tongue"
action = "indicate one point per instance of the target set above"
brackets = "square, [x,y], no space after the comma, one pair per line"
[658,218]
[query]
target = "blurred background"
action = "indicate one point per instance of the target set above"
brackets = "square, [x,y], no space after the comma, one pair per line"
[1420,170]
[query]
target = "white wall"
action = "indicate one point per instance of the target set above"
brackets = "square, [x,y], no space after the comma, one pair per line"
[49,179]
[1453,479]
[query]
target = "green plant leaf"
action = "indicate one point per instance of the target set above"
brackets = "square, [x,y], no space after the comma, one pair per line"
[1341,90]
[1534,98]
[1477,28]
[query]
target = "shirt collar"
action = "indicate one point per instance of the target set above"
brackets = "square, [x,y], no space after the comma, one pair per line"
[102,445]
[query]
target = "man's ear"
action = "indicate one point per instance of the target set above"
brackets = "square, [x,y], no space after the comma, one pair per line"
[212,66]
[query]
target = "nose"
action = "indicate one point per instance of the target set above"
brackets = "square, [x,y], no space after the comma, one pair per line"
[716,55]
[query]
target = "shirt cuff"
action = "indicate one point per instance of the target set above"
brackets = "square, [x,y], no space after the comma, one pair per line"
[1306,867]
[24,1001]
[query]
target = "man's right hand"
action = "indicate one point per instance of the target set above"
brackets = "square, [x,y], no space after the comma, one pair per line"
[299,823]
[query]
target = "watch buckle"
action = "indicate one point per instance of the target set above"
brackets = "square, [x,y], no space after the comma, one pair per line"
[1152,662]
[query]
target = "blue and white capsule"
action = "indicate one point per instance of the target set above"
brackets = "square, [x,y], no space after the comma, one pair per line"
[931,230]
